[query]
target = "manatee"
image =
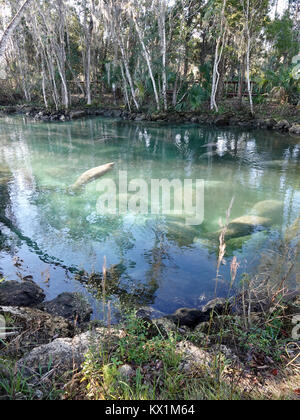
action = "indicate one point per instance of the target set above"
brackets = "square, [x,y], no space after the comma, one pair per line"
[245,224]
[268,208]
[210,145]
[92,174]
[208,155]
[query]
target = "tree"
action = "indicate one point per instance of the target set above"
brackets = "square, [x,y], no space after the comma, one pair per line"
[220,43]
[13,25]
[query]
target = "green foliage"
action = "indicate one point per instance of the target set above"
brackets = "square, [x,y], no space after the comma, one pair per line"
[280,33]
[102,375]
[14,385]
[197,96]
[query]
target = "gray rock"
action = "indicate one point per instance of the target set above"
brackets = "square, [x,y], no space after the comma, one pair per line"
[148,313]
[295,129]
[64,355]
[26,294]
[77,114]
[140,117]
[72,306]
[218,306]
[194,357]
[282,125]
[126,371]
[162,326]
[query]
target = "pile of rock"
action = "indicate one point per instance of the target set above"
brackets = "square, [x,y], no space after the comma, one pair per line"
[71,306]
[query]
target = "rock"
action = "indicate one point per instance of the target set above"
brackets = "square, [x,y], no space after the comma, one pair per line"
[229,355]
[162,326]
[126,371]
[295,129]
[77,114]
[116,113]
[22,294]
[188,317]
[33,328]
[174,118]
[72,306]
[65,355]
[222,120]
[140,117]
[218,306]
[268,124]
[282,125]
[148,313]
[291,302]
[193,357]
[38,394]
[159,117]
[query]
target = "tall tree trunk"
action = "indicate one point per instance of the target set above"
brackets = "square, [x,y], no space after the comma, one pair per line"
[88,31]
[241,80]
[61,54]
[246,9]
[128,75]
[218,56]
[162,26]
[12,25]
[148,60]
[44,84]
[125,87]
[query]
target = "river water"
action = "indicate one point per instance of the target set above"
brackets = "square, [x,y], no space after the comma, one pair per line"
[59,237]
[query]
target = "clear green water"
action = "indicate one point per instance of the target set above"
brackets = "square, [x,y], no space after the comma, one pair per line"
[160,261]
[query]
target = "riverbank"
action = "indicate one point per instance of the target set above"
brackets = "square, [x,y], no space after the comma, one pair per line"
[230,349]
[284,119]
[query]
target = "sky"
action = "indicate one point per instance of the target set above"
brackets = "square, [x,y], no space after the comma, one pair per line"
[282,5]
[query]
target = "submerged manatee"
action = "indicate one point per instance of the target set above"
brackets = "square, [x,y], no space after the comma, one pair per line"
[246,224]
[242,226]
[91,175]
[268,208]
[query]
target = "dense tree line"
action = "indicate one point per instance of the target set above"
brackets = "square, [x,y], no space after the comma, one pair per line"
[158,54]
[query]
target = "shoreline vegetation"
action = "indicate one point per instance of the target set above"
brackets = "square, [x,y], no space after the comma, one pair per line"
[285,119]
[243,347]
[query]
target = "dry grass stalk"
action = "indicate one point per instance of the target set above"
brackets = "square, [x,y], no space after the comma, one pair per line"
[108,316]
[104,272]
[233,270]
[222,243]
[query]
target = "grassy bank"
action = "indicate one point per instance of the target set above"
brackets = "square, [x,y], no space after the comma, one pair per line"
[253,353]
[226,358]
